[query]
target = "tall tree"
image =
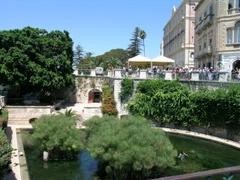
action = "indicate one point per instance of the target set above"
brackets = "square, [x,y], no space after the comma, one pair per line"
[36,60]
[78,55]
[134,48]
[143,35]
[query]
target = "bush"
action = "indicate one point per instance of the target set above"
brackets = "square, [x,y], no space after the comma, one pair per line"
[129,148]
[126,89]
[171,103]
[108,102]
[150,87]
[57,134]
[5,151]
[163,102]
[3,118]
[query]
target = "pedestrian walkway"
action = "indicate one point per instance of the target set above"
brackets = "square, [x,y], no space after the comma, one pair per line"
[15,160]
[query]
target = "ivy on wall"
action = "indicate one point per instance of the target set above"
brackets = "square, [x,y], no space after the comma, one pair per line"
[108,102]
[126,89]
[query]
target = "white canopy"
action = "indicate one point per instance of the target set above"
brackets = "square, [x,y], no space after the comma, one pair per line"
[139,59]
[143,61]
[162,60]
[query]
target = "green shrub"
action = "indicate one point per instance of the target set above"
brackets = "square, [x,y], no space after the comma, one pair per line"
[3,118]
[150,87]
[5,151]
[58,135]
[108,102]
[126,89]
[171,103]
[128,148]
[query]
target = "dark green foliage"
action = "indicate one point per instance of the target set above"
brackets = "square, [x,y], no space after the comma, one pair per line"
[34,59]
[58,135]
[150,87]
[126,89]
[219,108]
[108,102]
[143,35]
[115,58]
[5,151]
[172,103]
[78,56]
[129,148]
[134,48]
[3,118]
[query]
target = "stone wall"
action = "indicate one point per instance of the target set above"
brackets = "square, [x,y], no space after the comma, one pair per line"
[20,115]
[2,102]
[85,84]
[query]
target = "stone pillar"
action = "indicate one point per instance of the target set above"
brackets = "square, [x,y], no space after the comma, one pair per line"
[117,90]
[110,74]
[223,76]
[143,74]
[93,72]
[168,76]
[75,72]
[194,76]
[118,73]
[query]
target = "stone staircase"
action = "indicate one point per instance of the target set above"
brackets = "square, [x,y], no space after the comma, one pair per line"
[21,115]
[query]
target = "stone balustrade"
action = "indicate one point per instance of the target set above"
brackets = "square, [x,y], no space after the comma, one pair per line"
[2,102]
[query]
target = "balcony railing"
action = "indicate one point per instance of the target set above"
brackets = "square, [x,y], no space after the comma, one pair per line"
[204,52]
[187,75]
[207,21]
[234,10]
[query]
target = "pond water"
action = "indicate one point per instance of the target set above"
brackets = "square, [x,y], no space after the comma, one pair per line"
[194,154]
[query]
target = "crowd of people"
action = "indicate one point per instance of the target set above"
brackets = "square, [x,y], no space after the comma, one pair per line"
[206,73]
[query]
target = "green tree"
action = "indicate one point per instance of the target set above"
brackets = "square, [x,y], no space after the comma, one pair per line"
[36,60]
[115,58]
[143,35]
[57,134]
[5,151]
[78,55]
[126,89]
[108,102]
[129,148]
[134,48]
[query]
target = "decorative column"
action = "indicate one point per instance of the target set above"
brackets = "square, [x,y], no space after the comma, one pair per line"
[143,74]
[118,73]
[195,76]
[93,72]
[223,76]
[168,76]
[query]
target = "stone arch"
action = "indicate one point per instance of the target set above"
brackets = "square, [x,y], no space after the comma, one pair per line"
[94,96]
[32,120]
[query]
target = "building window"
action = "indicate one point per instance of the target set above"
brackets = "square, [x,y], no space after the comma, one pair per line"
[233,6]
[210,42]
[204,45]
[237,33]
[229,36]
[211,9]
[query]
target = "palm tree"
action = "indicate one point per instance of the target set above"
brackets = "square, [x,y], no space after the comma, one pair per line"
[142,35]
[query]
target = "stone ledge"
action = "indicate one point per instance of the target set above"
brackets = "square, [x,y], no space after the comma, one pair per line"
[203,136]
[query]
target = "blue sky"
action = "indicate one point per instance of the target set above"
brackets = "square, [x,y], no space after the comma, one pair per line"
[97,25]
